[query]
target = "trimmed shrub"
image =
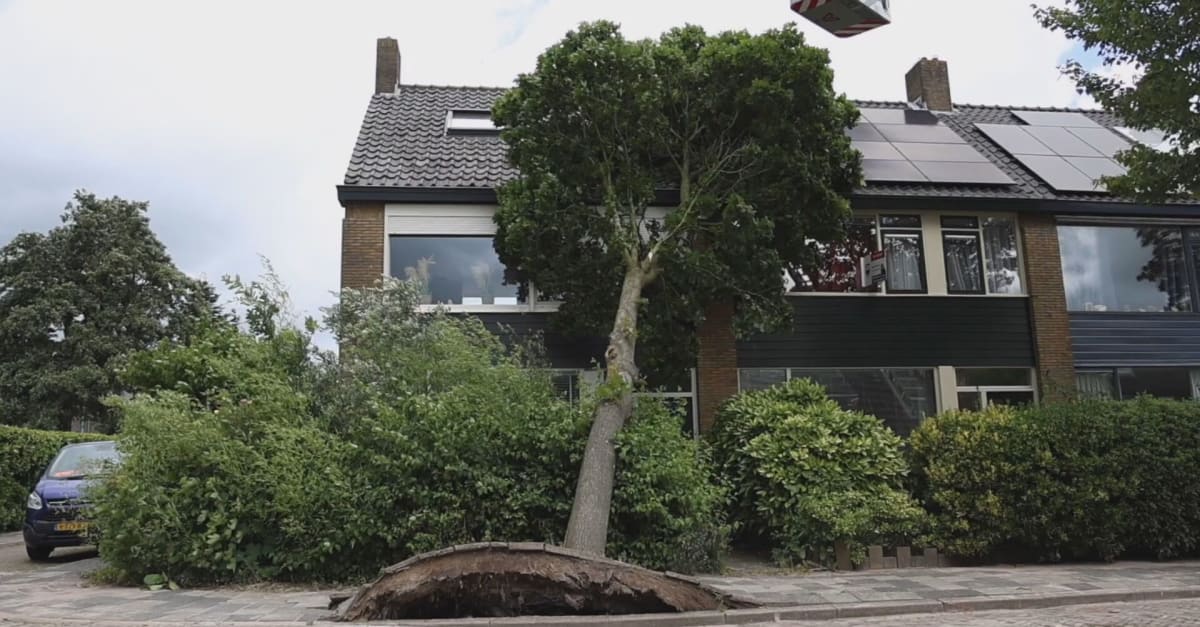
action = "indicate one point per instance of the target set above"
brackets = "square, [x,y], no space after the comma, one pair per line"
[24,454]
[427,432]
[804,473]
[1081,480]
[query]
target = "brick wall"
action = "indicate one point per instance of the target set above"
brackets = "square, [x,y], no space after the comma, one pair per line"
[929,82]
[362,245]
[716,363]
[1048,306]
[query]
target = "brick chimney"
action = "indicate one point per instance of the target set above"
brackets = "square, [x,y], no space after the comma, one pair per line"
[929,85]
[387,65]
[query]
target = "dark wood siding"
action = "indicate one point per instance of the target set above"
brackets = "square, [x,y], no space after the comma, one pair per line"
[1135,339]
[562,351]
[897,331]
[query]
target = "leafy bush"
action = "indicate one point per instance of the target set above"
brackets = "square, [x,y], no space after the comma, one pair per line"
[1080,480]
[667,512]
[24,454]
[426,432]
[804,473]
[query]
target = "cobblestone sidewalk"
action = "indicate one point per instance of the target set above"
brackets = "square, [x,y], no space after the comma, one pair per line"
[1185,613]
[920,584]
[58,593]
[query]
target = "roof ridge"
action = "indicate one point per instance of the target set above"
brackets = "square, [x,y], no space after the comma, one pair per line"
[455,87]
[1025,108]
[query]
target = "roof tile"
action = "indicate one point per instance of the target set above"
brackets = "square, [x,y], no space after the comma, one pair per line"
[403,143]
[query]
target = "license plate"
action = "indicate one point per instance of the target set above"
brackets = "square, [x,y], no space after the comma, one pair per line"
[71,526]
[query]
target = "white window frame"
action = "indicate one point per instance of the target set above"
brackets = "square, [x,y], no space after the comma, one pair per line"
[983,390]
[934,256]
[685,395]
[470,122]
[451,221]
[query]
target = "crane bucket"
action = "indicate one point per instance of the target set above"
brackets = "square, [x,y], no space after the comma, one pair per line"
[845,18]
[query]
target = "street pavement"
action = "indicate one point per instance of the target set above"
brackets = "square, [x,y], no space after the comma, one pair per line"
[1146,614]
[56,593]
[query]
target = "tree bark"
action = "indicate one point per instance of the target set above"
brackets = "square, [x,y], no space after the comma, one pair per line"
[587,529]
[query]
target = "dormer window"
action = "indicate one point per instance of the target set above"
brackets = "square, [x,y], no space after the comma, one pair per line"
[470,122]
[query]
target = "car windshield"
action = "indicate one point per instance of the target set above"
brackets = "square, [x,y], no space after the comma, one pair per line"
[80,460]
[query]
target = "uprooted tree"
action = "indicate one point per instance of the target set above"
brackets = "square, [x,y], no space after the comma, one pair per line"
[1149,74]
[658,177]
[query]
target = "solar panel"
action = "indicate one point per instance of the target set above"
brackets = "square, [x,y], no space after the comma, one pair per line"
[878,150]
[922,133]
[962,172]
[865,132]
[892,171]
[1096,167]
[1105,141]
[907,146]
[1069,159]
[1060,174]
[899,116]
[1014,139]
[1062,142]
[1055,118]
[962,153]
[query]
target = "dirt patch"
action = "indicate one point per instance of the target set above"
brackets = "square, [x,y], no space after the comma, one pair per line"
[520,579]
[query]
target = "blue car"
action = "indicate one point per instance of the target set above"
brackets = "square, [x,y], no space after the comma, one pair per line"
[56,514]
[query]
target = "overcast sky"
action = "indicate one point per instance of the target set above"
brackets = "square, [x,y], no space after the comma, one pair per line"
[235,120]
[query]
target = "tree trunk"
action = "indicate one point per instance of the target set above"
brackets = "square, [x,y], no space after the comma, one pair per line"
[587,529]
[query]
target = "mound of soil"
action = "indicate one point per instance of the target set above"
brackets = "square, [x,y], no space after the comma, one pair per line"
[493,579]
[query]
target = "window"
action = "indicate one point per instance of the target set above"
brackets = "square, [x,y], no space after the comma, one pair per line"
[980,387]
[981,255]
[1127,383]
[1096,384]
[1000,256]
[566,384]
[1126,268]
[903,253]
[678,394]
[964,255]
[454,270]
[834,267]
[900,397]
[760,378]
[470,122]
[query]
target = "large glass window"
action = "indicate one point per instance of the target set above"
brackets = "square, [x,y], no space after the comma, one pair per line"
[980,387]
[454,270]
[903,253]
[1127,383]
[835,267]
[900,397]
[1124,268]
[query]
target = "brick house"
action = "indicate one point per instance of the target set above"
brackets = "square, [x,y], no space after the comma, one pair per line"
[1011,276]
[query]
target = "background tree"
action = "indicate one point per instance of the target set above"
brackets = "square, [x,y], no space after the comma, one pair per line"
[1160,42]
[746,134]
[75,299]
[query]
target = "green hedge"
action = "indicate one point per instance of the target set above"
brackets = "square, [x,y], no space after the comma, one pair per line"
[803,473]
[1082,480]
[24,454]
[255,463]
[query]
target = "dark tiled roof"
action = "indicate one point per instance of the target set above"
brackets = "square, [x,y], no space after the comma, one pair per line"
[403,143]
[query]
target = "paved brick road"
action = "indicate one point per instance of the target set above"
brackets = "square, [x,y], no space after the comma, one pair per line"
[54,591]
[1147,614]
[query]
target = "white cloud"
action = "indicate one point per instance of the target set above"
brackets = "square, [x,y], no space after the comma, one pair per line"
[235,119]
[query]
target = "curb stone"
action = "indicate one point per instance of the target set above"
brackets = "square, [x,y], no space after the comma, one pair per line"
[730,617]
